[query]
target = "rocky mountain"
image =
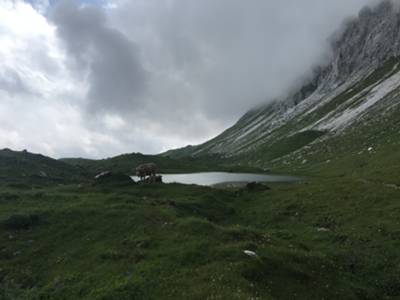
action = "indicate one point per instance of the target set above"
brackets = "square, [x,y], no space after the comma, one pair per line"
[350,105]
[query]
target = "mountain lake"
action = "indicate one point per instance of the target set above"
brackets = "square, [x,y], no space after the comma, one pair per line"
[215,178]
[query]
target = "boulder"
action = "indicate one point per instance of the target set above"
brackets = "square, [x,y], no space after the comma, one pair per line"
[111,178]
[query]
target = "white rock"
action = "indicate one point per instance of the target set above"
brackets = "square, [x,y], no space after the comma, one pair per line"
[102,174]
[250,253]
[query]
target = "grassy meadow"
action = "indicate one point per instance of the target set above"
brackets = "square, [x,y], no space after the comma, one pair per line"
[331,237]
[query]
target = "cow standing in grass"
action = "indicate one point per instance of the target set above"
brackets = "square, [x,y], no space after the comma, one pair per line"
[145,170]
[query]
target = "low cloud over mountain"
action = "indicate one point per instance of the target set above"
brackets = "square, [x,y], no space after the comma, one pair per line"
[96,78]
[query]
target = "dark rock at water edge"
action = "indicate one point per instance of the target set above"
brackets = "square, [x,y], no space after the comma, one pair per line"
[111,178]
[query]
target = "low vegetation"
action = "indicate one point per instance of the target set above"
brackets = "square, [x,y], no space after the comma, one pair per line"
[326,238]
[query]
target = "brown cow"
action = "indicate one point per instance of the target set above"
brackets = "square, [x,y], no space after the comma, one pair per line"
[144,170]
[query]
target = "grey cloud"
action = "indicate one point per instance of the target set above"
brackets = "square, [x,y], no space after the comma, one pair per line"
[11,82]
[180,71]
[233,54]
[103,56]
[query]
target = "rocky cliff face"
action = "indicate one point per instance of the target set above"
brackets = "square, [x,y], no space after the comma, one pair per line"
[365,43]
[360,82]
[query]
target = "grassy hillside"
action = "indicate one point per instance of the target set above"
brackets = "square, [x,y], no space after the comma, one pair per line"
[368,149]
[16,167]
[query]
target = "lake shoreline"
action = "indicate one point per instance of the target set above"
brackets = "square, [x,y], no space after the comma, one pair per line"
[223,178]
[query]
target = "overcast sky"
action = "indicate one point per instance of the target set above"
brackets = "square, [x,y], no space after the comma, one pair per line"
[97,78]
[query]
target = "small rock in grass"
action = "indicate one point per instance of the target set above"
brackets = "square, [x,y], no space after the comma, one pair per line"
[322,229]
[250,253]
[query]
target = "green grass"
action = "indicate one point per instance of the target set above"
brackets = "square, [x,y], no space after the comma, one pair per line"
[288,145]
[187,242]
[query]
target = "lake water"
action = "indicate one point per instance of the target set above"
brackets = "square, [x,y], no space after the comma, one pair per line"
[212,178]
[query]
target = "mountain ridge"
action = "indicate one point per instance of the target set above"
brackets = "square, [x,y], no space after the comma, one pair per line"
[361,79]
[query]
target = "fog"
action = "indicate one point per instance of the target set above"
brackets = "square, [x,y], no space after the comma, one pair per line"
[99,78]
